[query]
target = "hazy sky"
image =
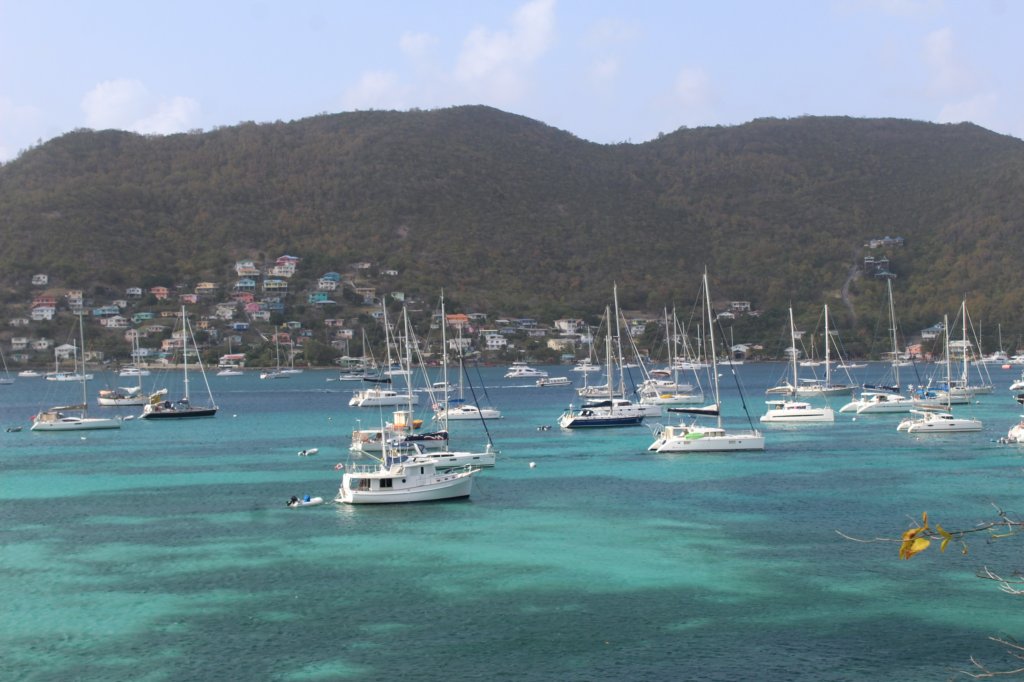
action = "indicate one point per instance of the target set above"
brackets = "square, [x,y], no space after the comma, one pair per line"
[606,70]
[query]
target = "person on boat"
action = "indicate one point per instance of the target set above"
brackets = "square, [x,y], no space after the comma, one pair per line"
[292,502]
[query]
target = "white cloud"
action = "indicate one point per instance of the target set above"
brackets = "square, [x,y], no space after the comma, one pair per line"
[376,90]
[416,45]
[692,89]
[172,116]
[498,62]
[127,104]
[978,109]
[947,75]
[610,32]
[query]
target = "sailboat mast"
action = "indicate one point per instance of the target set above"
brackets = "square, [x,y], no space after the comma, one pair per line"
[618,343]
[792,345]
[184,341]
[444,354]
[608,353]
[949,366]
[81,336]
[828,346]
[895,349]
[963,315]
[711,349]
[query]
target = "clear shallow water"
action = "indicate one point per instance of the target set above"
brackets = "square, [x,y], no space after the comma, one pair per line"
[165,552]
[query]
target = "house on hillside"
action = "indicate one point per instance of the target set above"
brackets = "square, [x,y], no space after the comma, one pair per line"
[40,280]
[275,285]
[207,288]
[160,293]
[43,313]
[133,293]
[44,301]
[246,268]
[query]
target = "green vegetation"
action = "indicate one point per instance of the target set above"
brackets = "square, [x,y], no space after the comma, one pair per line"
[514,217]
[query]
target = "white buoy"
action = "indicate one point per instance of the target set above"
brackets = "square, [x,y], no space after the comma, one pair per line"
[533,465]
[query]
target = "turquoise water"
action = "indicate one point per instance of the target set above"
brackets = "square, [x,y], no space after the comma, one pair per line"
[163,551]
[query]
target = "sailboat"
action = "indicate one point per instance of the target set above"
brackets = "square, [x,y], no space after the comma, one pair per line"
[276,373]
[814,387]
[378,396]
[693,438]
[158,408]
[126,395]
[73,417]
[795,411]
[612,409]
[884,399]
[457,408]
[666,389]
[5,378]
[932,421]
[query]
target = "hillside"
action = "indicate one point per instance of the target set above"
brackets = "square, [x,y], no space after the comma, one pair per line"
[512,215]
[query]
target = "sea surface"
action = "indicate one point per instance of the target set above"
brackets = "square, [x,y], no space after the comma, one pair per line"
[164,551]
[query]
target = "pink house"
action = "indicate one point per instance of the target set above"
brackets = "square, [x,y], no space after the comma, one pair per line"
[161,293]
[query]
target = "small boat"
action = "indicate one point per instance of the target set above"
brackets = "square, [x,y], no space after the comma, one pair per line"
[230,372]
[308,453]
[306,501]
[554,381]
[29,374]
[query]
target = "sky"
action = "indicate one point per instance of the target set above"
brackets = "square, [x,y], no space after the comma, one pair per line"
[608,71]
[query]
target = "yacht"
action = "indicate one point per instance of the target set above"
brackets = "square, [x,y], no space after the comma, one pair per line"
[397,480]
[520,370]
[795,411]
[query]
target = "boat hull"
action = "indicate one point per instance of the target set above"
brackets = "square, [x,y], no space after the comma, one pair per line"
[76,424]
[440,487]
[181,414]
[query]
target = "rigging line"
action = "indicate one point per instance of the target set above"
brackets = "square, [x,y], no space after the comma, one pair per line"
[475,401]
[735,377]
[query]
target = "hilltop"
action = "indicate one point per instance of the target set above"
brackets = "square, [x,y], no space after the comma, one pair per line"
[513,216]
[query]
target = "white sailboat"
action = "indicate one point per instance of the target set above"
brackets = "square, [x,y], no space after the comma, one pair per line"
[449,408]
[380,395]
[883,400]
[612,409]
[5,378]
[667,390]
[932,421]
[125,395]
[813,387]
[277,372]
[73,417]
[694,438]
[795,411]
[183,408]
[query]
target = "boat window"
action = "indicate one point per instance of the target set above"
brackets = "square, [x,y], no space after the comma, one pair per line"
[386,483]
[359,484]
